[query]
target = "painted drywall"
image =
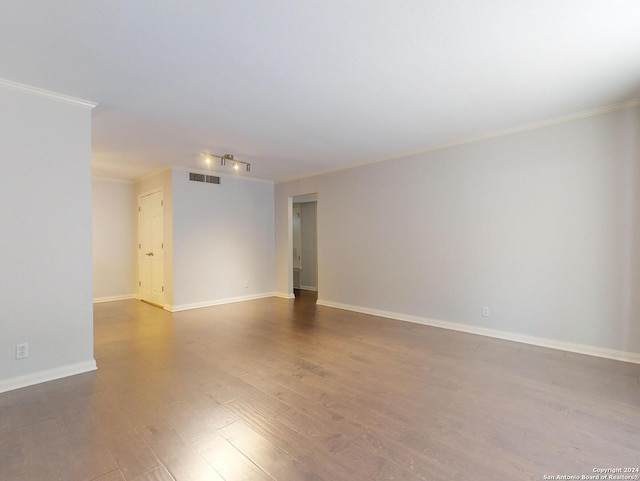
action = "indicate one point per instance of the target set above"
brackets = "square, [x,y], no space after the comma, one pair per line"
[308,278]
[45,246]
[542,226]
[222,236]
[160,181]
[114,221]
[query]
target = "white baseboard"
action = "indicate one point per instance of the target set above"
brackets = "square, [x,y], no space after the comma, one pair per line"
[284,295]
[216,302]
[98,300]
[48,375]
[506,335]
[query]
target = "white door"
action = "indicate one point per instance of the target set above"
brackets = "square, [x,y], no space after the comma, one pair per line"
[151,248]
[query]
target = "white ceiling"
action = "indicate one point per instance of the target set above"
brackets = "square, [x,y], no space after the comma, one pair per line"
[301,86]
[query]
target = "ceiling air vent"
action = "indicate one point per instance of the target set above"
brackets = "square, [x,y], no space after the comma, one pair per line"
[209,179]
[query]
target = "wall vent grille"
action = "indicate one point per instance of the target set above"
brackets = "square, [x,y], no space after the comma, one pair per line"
[209,179]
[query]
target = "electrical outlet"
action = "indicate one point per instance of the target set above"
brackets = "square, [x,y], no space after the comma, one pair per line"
[22,350]
[485,311]
[246,284]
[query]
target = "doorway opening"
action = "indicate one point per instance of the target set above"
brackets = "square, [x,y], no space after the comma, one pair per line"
[304,254]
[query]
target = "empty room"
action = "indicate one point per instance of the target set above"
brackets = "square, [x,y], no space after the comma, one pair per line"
[339,241]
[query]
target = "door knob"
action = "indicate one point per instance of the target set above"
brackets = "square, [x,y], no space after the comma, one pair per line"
[149,253]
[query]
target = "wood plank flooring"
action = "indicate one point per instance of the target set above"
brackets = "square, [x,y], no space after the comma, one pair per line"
[284,390]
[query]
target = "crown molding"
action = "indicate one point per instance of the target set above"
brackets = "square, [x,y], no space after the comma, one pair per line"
[152,174]
[480,137]
[18,87]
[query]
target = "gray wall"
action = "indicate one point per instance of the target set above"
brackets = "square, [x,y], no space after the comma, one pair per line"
[542,226]
[222,237]
[45,246]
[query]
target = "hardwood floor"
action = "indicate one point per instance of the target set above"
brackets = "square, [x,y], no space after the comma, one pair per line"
[274,389]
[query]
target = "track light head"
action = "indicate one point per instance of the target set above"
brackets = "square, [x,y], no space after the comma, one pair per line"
[208,158]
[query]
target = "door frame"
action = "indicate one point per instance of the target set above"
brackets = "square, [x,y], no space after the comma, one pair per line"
[140,196]
[310,197]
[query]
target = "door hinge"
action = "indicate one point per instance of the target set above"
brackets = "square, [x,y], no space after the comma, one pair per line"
[162,245]
[139,209]
[140,283]
[139,246]
[162,288]
[162,202]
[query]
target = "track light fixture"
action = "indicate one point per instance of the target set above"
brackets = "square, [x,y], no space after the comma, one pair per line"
[223,160]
